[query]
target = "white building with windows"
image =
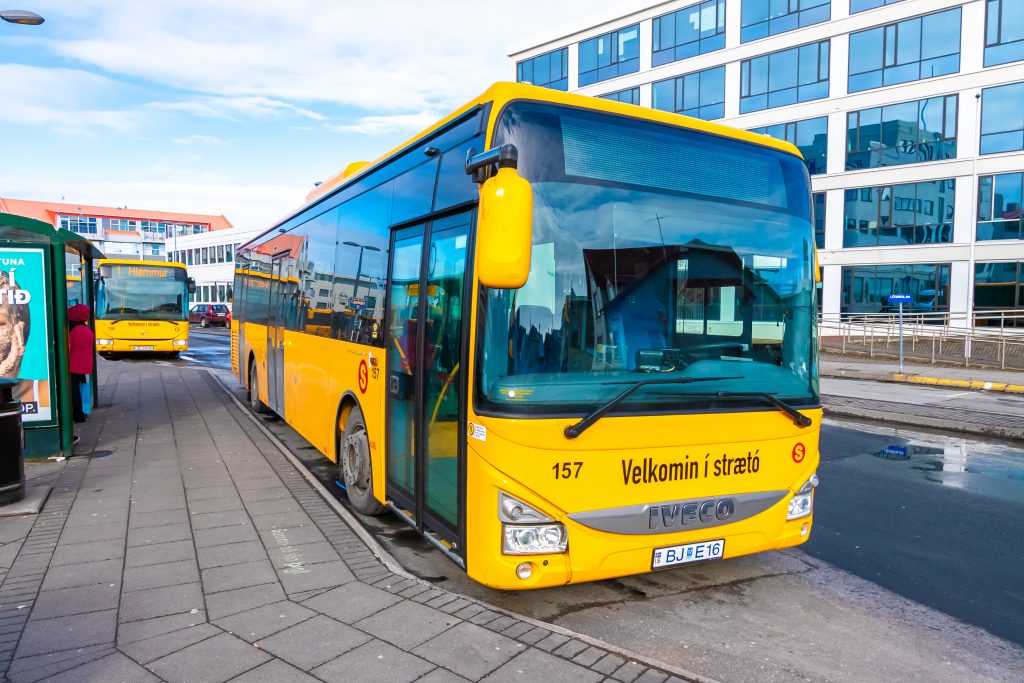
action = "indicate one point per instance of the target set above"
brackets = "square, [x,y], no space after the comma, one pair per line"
[909,113]
[210,258]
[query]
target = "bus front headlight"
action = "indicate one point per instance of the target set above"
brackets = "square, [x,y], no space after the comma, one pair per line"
[179,342]
[802,502]
[534,539]
[104,342]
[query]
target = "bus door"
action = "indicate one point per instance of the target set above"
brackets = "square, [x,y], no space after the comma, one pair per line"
[425,377]
[275,335]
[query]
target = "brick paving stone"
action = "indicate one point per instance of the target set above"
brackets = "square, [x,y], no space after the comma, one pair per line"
[213,660]
[501,623]
[78,600]
[589,656]
[307,553]
[113,667]
[148,628]
[77,553]
[210,505]
[274,671]
[149,649]
[154,535]
[141,520]
[160,575]
[551,642]
[39,667]
[533,665]
[238,600]
[230,554]
[80,630]
[571,648]
[89,534]
[313,642]
[255,573]
[651,676]
[534,635]
[352,602]
[143,555]
[313,576]
[260,622]
[608,664]
[628,672]
[407,624]
[70,575]
[375,661]
[469,650]
[212,520]
[484,617]
[159,602]
[224,534]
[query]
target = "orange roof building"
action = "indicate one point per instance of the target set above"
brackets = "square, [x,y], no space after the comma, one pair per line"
[116,231]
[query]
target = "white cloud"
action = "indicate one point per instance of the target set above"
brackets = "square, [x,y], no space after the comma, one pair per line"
[230,108]
[386,125]
[65,100]
[198,140]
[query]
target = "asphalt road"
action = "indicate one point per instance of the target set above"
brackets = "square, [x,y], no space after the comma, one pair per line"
[911,564]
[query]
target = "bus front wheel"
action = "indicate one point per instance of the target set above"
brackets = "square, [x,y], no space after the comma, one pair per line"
[254,391]
[354,468]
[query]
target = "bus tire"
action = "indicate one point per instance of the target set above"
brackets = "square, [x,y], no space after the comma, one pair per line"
[255,403]
[354,465]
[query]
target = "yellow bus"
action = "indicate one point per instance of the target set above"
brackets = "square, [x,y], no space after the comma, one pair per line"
[573,339]
[141,306]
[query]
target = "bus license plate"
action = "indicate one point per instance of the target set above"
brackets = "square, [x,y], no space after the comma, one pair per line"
[142,348]
[691,552]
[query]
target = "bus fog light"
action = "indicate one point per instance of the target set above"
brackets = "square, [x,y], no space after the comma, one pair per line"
[534,539]
[105,342]
[800,506]
[804,528]
[524,570]
[179,342]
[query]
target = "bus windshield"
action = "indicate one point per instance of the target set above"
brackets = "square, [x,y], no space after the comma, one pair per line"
[657,252]
[141,292]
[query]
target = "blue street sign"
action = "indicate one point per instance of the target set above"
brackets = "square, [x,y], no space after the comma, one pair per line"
[900,299]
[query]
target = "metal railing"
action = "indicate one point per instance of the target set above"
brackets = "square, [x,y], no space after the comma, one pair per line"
[992,338]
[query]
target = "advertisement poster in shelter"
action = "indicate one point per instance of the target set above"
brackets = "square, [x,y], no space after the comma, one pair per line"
[24,339]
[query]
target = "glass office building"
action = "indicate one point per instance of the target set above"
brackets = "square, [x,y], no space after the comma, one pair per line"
[909,114]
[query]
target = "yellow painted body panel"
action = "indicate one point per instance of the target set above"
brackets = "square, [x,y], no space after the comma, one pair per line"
[127,334]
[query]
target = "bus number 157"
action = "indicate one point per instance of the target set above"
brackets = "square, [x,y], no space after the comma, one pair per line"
[564,470]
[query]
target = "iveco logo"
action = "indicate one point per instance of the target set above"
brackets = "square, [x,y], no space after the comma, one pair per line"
[691,514]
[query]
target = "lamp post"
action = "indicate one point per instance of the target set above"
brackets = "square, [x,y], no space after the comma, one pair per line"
[359,267]
[20,16]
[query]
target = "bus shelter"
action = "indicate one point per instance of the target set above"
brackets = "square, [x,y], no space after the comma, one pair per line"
[42,271]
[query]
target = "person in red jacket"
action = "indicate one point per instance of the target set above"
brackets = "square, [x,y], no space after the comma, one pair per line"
[81,343]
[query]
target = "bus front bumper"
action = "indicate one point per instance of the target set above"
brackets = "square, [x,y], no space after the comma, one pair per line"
[141,345]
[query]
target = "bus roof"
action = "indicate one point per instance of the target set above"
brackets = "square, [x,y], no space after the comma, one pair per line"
[503,93]
[137,262]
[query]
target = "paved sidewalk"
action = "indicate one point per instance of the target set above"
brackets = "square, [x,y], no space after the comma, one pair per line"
[187,548]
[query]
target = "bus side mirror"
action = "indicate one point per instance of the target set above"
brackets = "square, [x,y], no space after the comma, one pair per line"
[505,226]
[191,285]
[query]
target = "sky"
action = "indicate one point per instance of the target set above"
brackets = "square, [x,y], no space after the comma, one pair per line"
[237,107]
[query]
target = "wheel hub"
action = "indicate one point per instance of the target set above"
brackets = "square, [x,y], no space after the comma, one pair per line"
[354,461]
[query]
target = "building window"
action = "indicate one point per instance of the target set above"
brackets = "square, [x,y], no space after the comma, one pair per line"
[1002,118]
[549,70]
[905,133]
[700,94]
[689,32]
[999,206]
[866,289]
[786,77]
[229,253]
[613,54]
[810,137]
[909,50]
[864,5]
[763,18]
[997,286]
[894,215]
[819,220]
[628,96]
[83,225]
[1004,31]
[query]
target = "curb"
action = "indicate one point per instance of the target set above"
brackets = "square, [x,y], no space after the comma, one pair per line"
[975,385]
[923,421]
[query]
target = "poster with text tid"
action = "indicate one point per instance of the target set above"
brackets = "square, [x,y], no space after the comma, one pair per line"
[24,339]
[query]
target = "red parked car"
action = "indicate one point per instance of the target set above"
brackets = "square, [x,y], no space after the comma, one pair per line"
[209,314]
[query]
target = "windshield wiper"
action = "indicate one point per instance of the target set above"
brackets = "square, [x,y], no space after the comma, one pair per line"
[572,431]
[799,419]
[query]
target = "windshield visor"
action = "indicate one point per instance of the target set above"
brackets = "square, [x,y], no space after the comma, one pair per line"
[657,251]
[142,292]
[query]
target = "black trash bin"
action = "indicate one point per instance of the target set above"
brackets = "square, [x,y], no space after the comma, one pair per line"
[12,445]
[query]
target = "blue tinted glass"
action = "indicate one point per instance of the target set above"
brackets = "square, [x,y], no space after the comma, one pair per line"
[912,213]
[610,55]
[663,95]
[1004,33]
[904,133]
[866,288]
[799,74]
[1002,119]
[691,31]
[864,5]
[762,18]
[700,94]
[922,47]
[546,70]
[810,137]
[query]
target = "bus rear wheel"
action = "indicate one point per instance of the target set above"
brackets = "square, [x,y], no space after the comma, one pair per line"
[354,467]
[254,390]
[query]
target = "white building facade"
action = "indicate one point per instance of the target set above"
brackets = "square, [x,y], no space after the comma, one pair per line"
[909,113]
[210,258]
